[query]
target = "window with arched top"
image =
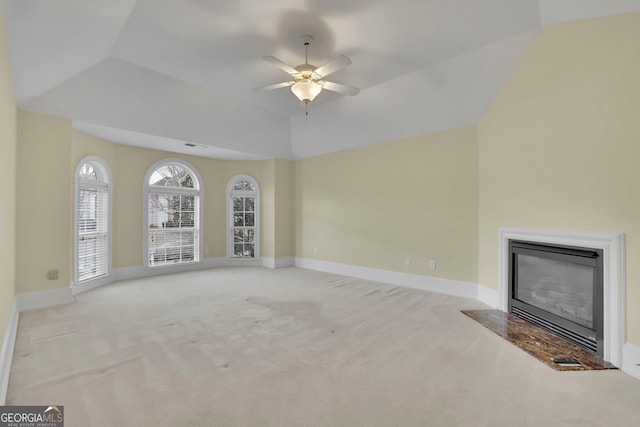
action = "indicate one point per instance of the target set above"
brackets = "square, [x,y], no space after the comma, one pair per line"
[172,217]
[92,219]
[244,185]
[243,218]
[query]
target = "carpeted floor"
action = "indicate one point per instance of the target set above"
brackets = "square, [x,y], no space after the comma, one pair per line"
[290,347]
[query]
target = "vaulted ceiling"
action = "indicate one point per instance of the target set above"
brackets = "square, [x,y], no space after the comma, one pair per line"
[160,74]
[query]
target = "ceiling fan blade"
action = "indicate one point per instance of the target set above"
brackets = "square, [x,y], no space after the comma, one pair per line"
[275,86]
[278,63]
[332,66]
[336,87]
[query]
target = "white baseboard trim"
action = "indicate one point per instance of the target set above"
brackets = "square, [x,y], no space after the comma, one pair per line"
[415,281]
[268,262]
[489,296]
[136,272]
[631,360]
[43,299]
[241,262]
[278,262]
[6,352]
[77,288]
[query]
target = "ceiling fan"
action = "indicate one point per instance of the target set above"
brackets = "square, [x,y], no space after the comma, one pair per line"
[308,80]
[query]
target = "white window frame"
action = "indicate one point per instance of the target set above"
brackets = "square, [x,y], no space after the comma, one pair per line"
[256,221]
[198,190]
[104,182]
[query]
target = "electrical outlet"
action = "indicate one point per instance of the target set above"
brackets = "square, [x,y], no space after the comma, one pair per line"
[432,264]
[407,261]
[315,251]
[206,249]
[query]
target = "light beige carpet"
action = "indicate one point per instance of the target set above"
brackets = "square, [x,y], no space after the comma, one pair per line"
[290,347]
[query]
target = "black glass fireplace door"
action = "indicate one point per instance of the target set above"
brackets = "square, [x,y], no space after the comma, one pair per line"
[560,289]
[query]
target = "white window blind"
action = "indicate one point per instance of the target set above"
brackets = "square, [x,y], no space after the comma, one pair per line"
[92,218]
[172,216]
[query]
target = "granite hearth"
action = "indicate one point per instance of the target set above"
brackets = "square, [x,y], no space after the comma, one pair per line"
[536,341]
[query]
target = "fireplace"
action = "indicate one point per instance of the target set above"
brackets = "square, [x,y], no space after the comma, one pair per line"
[559,288]
[613,283]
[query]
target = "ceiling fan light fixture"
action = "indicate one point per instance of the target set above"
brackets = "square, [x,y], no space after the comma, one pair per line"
[307,79]
[306,90]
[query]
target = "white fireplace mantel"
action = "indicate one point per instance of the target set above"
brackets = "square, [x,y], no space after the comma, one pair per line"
[612,245]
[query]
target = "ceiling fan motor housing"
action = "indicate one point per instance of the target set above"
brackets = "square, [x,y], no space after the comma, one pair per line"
[306,71]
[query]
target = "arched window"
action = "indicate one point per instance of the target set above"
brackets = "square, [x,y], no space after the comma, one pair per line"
[172,217]
[92,219]
[243,233]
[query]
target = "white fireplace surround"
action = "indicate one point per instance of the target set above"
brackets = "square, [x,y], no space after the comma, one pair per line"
[612,245]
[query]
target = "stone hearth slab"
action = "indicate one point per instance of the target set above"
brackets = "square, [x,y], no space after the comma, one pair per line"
[536,341]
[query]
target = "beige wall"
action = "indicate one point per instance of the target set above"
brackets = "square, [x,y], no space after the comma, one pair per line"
[128,167]
[129,171]
[48,153]
[268,212]
[276,194]
[44,198]
[7,185]
[284,226]
[376,205]
[559,147]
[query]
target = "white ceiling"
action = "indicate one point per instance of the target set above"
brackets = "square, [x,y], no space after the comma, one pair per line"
[158,74]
